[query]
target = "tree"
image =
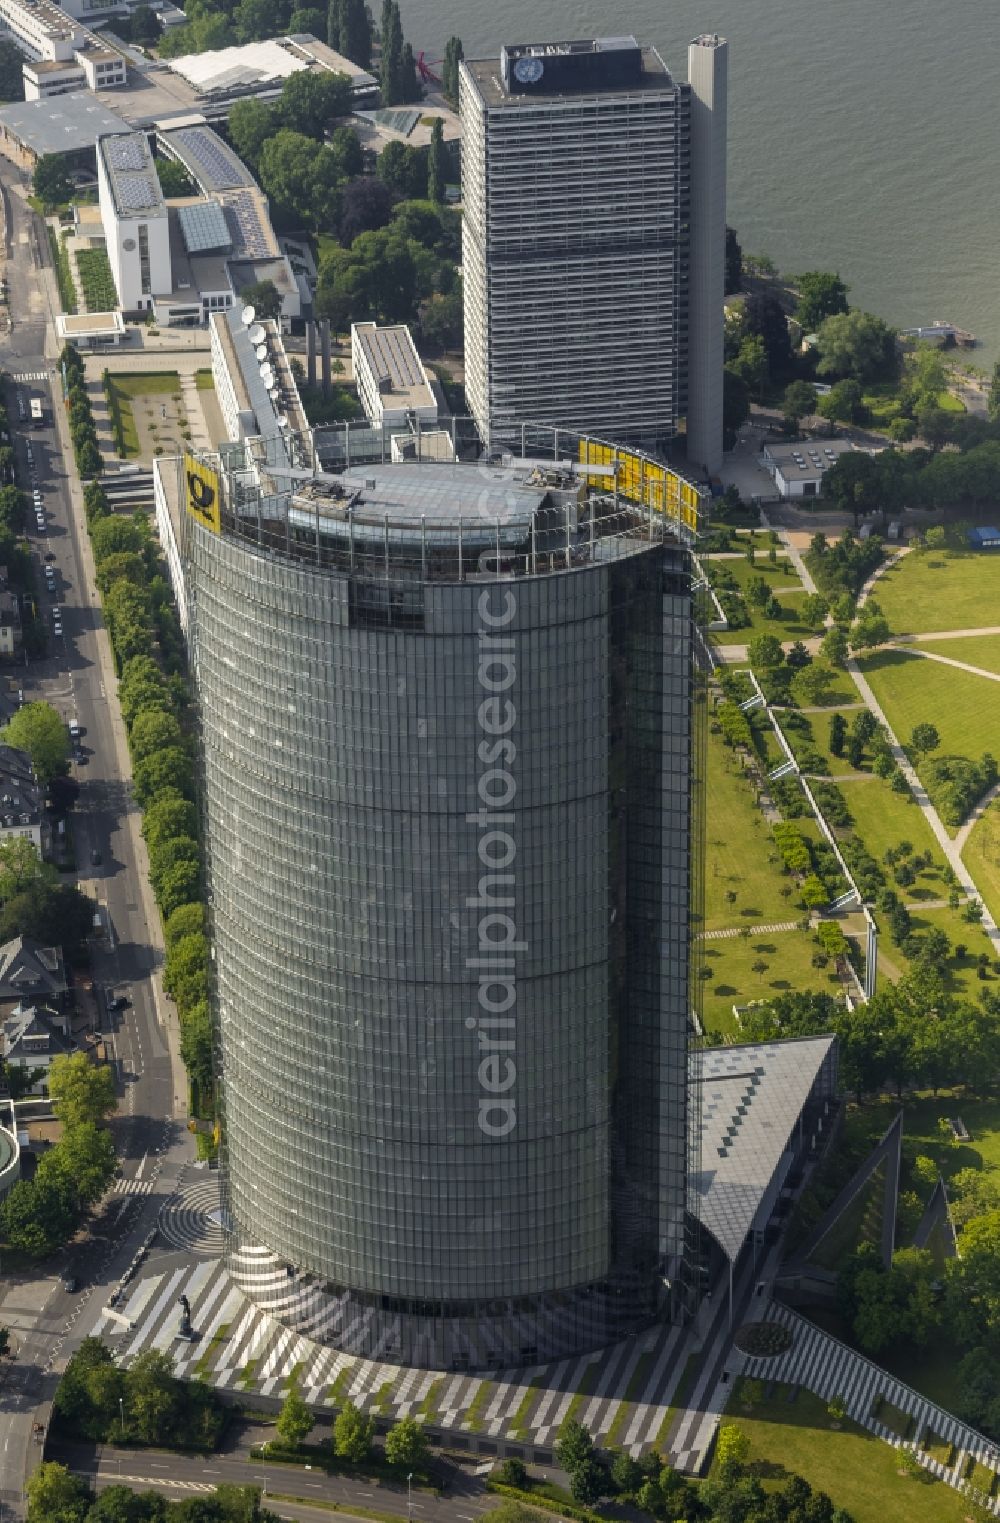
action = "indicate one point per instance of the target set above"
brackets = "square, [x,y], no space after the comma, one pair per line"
[735,404]
[295,1420]
[153,730]
[37,1216]
[55,1495]
[178,884]
[993,395]
[196,1043]
[171,815]
[403,169]
[88,459]
[732,1450]
[174,178]
[83,1160]
[250,124]
[365,204]
[838,734]
[352,1434]
[82,1092]
[843,403]
[185,973]
[751,363]
[87,1396]
[799,402]
[168,770]
[765,653]
[302,177]
[437,163]
[871,628]
[390,66]
[834,647]
[51,181]
[814,610]
[11,76]
[442,320]
[53,914]
[765,317]
[734,263]
[852,483]
[821,295]
[406,1444]
[188,920]
[924,738]
[453,55]
[856,344]
[588,1481]
[356,33]
[798,658]
[38,729]
[308,19]
[154,1398]
[264,297]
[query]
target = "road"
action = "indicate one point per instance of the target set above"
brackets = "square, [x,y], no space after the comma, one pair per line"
[77,676]
[178,1475]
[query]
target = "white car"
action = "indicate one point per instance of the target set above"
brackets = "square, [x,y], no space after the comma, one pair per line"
[57,628]
[74,730]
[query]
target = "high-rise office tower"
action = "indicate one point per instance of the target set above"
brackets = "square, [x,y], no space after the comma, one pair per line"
[578,213]
[447,718]
[707,72]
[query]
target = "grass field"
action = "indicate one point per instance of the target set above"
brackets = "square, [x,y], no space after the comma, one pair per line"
[817,738]
[125,389]
[965,709]
[858,1471]
[982,857]
[782,574]
[977,650]
[737,851]
[788,627]
[883,819]
[204,380]
[940,589]
[788,958]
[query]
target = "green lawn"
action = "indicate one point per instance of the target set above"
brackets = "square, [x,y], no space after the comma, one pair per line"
[144,383]
[781,574]
[814,735]
[883,819]
[788,627]
[977,650]
[732,981]
[982,858]
[940,589]
[204,380]
[965,709]
[858,1471]
[738,849]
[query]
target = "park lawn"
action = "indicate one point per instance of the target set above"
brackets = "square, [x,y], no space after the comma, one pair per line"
[840,691]
[982,857]
[857,1470]
[788,627]
[781,574]
[143,383]
[802,741]
[940,589]
[737,850]
[882,819]
[959,977]
[978,650]
[732,980]
[964,709]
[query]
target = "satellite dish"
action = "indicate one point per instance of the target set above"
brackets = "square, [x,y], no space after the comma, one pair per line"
[248,314]
[274,392]
[282,420]
[267,375]
[256,334]
[261,353]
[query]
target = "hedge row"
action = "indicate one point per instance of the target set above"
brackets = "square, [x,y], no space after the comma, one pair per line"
[64,275]
[153,692]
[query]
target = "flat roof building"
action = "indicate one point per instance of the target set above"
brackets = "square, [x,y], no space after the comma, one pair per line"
[253,378]
[798,469]
[71,124]
[135,221]
[576,159]
[391,381]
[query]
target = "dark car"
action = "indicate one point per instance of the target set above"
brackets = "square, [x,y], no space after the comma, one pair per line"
[95,857]
[50,555]
[69,1282]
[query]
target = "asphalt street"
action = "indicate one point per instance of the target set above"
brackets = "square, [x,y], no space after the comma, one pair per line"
[77,677]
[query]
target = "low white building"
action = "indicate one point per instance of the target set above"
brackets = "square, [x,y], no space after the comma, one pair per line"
[63,54]
[391,381]
[798,469]
[135,221]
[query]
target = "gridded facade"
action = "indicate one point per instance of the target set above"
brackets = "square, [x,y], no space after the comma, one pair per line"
[575,254]
[344,767]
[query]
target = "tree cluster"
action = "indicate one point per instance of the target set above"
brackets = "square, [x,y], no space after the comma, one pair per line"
[82,429]
[149,650]
[398,79]
[387,273]
[100,1401]
[845,566]
[57,1495]
[40,1214]
[349,31]
[38,729]
[453,55]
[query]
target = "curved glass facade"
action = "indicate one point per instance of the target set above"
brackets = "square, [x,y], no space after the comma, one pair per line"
[448,838]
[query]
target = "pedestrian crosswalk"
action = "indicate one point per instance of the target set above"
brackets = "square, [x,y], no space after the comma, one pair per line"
[32,375]
[133,1187]
[829,1368]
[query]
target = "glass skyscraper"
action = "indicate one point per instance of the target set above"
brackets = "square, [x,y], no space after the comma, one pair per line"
[448,716]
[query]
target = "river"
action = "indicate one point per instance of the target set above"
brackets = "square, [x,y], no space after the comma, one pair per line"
[864,135]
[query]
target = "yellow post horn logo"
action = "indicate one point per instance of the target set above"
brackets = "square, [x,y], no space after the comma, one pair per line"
[202,492]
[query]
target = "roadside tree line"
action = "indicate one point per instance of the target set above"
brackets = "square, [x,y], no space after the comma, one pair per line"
[154,695]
